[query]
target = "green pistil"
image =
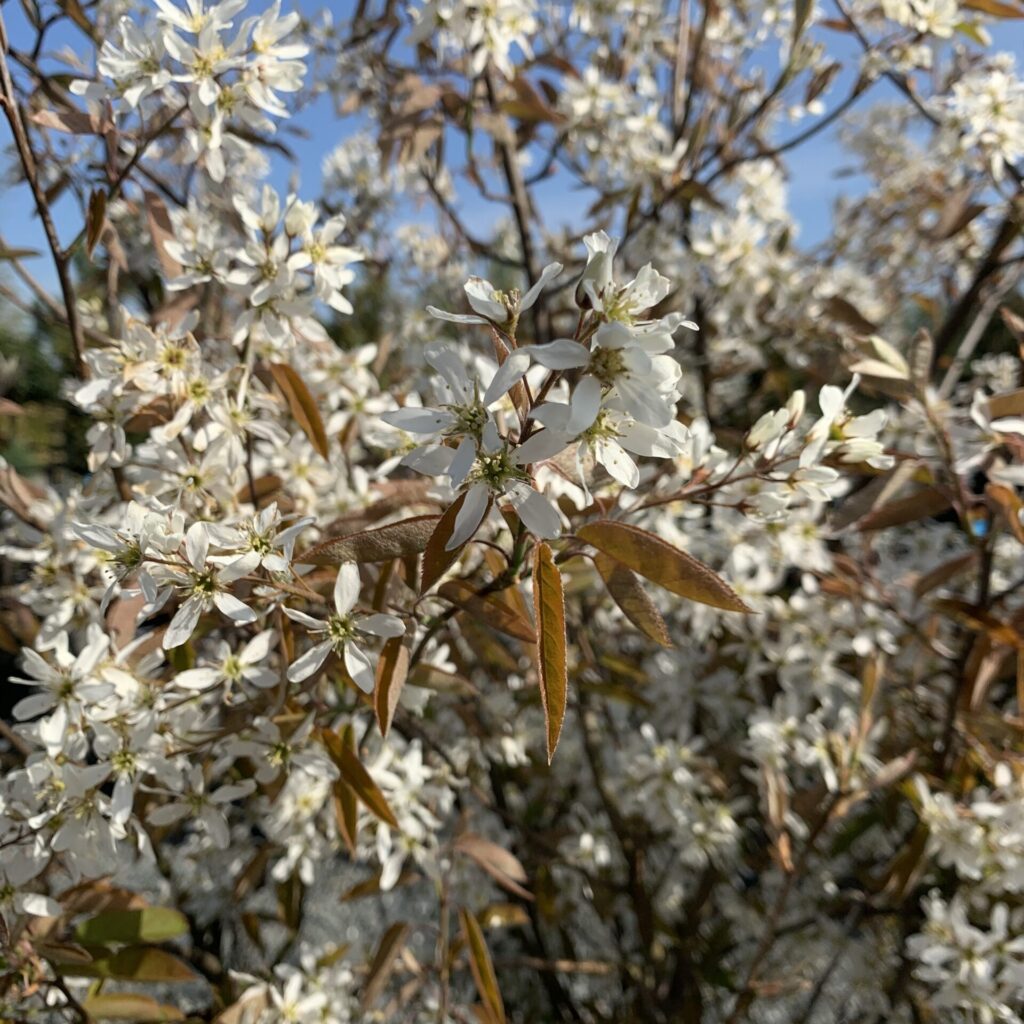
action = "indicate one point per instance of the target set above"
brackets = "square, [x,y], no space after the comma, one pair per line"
[470,419]
[204,584]
[340,629]
[607,365]
[280,753]
[198,390]
[129,557]
[260,543]
[601,430]
[495,468]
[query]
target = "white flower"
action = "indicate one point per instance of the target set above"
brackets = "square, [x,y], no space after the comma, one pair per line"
[67,688]
[205,585]
[204,806]
[340,632]
[492,306]
[224,666]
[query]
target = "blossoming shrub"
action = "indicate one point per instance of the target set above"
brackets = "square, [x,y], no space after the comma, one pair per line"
[636,637]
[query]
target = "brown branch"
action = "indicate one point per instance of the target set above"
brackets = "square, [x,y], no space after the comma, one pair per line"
[9,102]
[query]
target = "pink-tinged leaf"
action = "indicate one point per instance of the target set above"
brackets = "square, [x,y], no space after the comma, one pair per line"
[482,967]
[549,611]
[303,407]
[392,669]
[661,563]
[403,539]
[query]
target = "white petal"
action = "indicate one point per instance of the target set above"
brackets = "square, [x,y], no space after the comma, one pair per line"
[468,520]
[539,516]
[233,608]
[346,587]
[241,566]
[545,444]
[586,404]
[613,457]
[462,463]
[510,372]
[560,354]
[53,729]
[430,460]
[168,814]
[257,648]
[196,678]
[359,667]
[37,905]
[307,620]
[197,544]
[305,666]
[419,421]
[551,271]
[183,624]
[455,318]
[122,799]
[382,625]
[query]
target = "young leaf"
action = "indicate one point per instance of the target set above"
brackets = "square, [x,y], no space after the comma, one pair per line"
[161,230]
[381,544]
[392,669]
[489,609]
[661,563]
[301,404]
[921,504]
[800,16]
[95,218]
[633,601]
[358,777]
[391,944]
[74,122]
[996,8]
[346,813]
[483,969]
[549,611]
[437,560]
[502,866]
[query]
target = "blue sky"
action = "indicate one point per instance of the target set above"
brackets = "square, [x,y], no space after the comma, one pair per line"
[815,179]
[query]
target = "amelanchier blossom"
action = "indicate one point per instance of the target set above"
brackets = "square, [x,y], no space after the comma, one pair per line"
[427,620]
[339,632]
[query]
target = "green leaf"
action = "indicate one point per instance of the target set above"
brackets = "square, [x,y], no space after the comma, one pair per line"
[128,1006]
[404,539]
[661,563]
[151,924]
[549,611]
[137,963]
